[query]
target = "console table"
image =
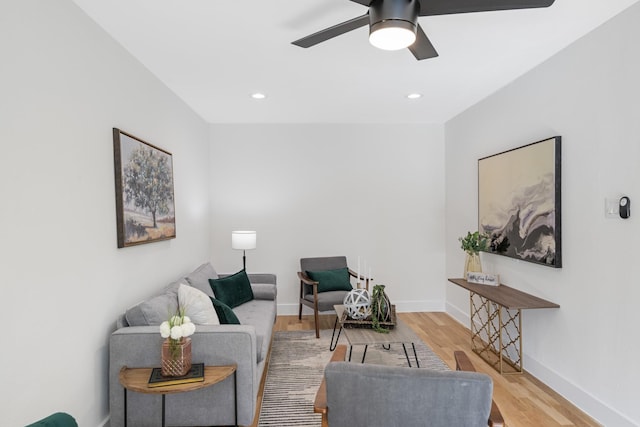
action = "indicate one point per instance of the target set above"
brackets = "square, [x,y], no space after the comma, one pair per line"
[496,323]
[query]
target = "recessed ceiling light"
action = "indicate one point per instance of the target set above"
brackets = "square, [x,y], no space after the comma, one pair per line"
[414,96]
[258,95]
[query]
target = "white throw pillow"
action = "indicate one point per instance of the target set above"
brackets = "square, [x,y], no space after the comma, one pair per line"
[197,305]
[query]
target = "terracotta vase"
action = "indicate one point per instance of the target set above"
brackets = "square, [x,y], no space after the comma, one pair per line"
[176,357]
[472,264]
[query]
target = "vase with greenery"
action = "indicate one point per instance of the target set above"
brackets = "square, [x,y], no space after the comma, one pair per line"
[380,308]
[472,244]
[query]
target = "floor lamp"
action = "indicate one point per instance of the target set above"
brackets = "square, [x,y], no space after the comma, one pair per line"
[243,240]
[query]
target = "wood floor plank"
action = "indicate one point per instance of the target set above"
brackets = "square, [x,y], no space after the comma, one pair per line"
[523,400]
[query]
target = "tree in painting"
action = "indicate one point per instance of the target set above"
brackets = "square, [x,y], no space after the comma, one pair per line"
[148,182]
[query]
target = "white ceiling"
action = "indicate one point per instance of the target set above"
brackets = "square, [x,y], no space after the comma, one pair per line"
[214,54]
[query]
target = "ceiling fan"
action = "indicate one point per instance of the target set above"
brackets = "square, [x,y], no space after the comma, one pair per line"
[393,24]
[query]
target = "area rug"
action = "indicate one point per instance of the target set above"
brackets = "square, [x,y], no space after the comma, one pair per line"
[296,368]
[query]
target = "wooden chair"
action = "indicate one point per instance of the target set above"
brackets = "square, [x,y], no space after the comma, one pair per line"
[322,301]
[462,364]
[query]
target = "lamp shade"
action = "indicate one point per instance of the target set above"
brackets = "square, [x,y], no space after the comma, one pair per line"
[243,240]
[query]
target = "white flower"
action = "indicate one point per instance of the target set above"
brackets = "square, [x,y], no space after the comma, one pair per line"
[176,332]
[178,326]
[188,329]
[165,329]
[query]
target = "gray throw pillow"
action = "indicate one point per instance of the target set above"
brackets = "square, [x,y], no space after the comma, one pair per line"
[199,278]
[155,310]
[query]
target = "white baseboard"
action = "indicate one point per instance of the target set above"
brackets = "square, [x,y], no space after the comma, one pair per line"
[401,307]
[587,403]
[457,314]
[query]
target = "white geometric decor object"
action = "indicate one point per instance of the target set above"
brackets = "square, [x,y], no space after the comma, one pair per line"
[357,304]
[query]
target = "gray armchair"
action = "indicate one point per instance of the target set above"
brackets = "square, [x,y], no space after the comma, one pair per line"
[374,395]
[311,291]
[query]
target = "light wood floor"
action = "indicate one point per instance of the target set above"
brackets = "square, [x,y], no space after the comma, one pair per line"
[523,400]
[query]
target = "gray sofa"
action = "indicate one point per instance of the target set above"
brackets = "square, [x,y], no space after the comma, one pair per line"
[246,345]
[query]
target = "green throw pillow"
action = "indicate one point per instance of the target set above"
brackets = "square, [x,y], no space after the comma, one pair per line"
[331,280]
[225,313]
[232,290]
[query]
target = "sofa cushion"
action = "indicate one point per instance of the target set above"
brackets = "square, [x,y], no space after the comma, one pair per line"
[155,310]
[331,280]
[233,290]
[225,313]
[199,278]
[261,314]
[197,306]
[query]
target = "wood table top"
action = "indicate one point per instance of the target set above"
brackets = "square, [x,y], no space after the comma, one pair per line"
[137,379]
[401,333]
[507,297]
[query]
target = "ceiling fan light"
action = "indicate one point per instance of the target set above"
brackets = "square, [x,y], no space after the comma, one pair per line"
[393,34]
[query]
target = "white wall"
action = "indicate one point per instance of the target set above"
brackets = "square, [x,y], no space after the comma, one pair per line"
[63,85]
[374,191]
[589,95]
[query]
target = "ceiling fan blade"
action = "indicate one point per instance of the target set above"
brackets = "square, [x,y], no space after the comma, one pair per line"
[422,47]
[446,7]
[331,32]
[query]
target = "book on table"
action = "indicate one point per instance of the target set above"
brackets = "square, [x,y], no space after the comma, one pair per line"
[195,374]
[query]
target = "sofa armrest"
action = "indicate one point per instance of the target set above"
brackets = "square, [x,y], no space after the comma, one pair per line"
[139,346]
[255,277]
[262,278]
[264,291]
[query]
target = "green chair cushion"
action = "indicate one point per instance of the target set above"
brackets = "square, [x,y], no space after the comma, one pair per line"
[331,280]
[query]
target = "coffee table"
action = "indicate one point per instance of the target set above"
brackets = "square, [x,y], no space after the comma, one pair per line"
[400,334]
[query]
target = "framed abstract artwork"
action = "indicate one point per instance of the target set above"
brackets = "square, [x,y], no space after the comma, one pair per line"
[145,209]
[519,202]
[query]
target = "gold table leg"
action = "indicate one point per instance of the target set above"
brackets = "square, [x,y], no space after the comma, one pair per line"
[496,334]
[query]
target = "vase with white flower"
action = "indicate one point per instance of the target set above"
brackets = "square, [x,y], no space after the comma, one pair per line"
[176,348]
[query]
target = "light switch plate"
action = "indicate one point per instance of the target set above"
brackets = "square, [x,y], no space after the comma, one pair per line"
[612,208]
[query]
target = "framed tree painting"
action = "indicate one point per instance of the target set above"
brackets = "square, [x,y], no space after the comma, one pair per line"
[519,202]
[145,209]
